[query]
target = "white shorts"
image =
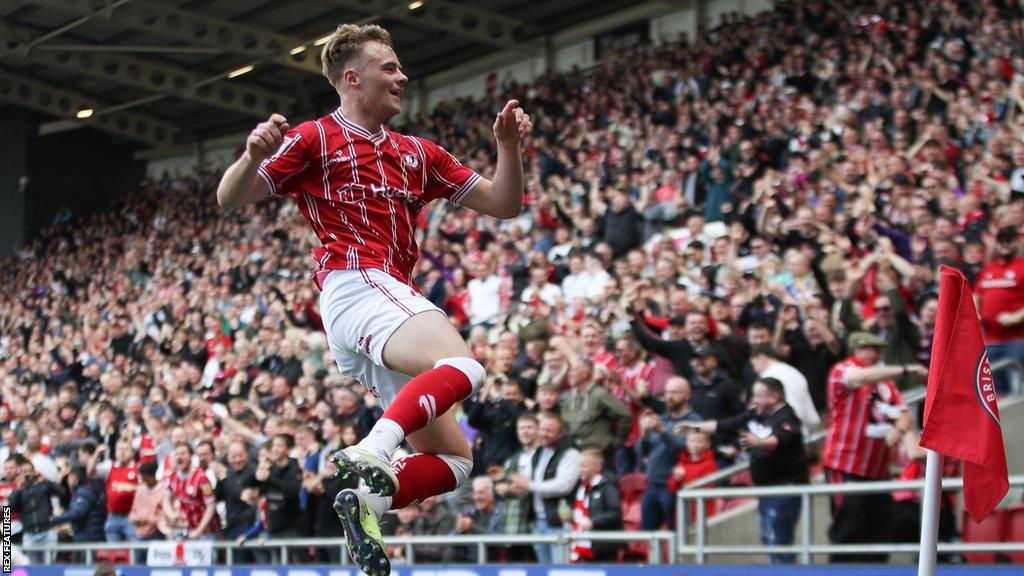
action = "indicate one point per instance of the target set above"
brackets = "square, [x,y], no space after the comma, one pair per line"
[361,309]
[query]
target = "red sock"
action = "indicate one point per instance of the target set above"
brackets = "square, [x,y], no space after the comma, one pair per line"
[428,396]
[420,476]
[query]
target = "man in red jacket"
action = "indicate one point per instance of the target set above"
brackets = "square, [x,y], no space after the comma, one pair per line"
[999,290]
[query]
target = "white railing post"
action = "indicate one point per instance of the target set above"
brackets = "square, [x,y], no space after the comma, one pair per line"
[806,518]
[681,517]
[702,522]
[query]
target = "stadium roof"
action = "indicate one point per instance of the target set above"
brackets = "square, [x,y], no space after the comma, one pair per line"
[157,71]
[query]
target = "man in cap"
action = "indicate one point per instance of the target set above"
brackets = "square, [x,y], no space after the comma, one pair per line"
[867,418]
[1000,293]
[715,396]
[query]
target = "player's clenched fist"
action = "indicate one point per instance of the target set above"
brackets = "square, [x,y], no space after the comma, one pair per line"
[265,139]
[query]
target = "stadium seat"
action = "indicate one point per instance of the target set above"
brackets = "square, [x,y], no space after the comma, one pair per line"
[632,486]
[1014,530]
[113,556]
[631,515]
[991,529]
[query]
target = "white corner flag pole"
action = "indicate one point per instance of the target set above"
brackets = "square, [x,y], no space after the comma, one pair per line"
[930,514]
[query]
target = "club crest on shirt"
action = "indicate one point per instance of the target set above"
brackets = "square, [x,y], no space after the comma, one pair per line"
[411,160]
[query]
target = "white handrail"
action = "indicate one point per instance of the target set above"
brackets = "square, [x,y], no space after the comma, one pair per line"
[700,549]
[479,541]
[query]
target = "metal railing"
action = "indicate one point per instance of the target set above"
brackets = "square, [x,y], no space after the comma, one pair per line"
[911,398]
[676,541]
[482,542]
[700,549]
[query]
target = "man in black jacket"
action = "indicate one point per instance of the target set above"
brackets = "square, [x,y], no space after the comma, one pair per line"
[32,500]
[679,351]
[715,396]
[596,505]
[87,511]
[621,226]
[280,478]
[240,515]
[322,488]
[771,434]
[494,412]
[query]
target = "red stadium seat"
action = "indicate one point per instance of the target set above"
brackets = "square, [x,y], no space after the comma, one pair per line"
[113,556]
[1014,530]
[632,486]
[631,514]
[991,529]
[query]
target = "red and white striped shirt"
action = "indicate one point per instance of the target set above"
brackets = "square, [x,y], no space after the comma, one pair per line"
[194,493]
[362,192]
[631,378]
[604,359]
[852,446]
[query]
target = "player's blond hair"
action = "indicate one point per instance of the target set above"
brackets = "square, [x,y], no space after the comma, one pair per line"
[346,43]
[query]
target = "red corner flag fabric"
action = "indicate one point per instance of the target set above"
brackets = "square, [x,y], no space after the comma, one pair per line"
[961,418]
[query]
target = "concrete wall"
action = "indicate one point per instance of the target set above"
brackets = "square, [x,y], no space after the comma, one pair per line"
[580,54]
[14,124]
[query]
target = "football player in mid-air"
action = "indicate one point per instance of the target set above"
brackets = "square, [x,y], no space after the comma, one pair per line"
[361,187]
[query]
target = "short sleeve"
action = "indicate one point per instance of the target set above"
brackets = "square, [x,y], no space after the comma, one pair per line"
[446,176]
[292,158]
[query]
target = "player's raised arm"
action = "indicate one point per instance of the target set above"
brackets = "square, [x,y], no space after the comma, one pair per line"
[239,185]
[503,197]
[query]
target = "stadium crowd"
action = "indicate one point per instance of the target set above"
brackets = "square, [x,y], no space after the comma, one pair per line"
[723,236]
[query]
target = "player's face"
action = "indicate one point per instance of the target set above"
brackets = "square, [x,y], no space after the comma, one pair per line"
[383,81]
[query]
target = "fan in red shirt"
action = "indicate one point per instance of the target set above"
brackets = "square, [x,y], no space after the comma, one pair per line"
[122,479]
[189,486]
[633,384]
[592,339]
[867,418]
[362,189]
[696,461]
[999,289]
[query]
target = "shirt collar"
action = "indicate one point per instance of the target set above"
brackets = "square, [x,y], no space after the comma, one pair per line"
[347,122]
